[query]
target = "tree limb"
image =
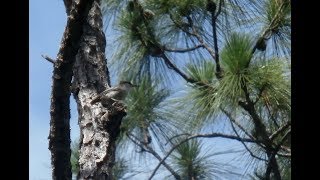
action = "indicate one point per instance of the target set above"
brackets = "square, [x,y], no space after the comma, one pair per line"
[219,9]
[267,31]
[49,59]
[244,144]
[173,67]
[285,148]
[287,155]
[212,135]
[183,134]
[261,133]
[195,34]
[270,113]
[183,50]
[59,137]
[236,123]
[261,90]
[215,39]
[272,158]
[151,151]
[280,130]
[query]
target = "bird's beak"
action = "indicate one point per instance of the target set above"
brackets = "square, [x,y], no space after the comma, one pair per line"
[133,85]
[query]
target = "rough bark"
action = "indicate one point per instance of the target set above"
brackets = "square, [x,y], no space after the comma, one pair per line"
[99,126]
[59,136]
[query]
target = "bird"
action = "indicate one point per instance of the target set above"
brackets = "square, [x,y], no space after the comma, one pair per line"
[117,93]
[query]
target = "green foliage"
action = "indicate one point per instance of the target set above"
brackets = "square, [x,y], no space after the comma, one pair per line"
[189,162]
[138,46]
[270,76]
[283,17]
[146,113]
[192,162]
[202,96]
[142,103]
[202,72]
[236,53]
[235,56]
[280,22]
[226,92]
[179,24]
[285,167]
[75,167]
[182,7]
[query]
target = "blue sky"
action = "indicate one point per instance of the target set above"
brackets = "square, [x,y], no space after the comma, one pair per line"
[47,20]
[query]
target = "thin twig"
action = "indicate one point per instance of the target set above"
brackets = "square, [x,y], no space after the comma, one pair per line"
[273,154]
[212,135]
[49,59]
[244,144]
[219,9]
[285,148]
[154,153]
[267,31]
[260,93]
[215,39]
[173,67]
[270,113]
[236,123]
[195,34]
[287,155]
[281,129]
[184,50]
[205,45]
[183,134]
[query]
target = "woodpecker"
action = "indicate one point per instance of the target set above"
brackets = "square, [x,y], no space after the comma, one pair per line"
[117,93]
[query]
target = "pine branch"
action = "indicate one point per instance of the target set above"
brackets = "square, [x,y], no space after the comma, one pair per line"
[194,33]
[260,93]
[177,70]
[287,155]
[272,158]
[49,59]
[215,39]
[285,148]
[262,134]
[200,39]
[154,153]
[244,144]
[183,50]
[212,135]
[235,131]
[183,134]
[270,113]
[280,130]
[219,9]
[236,123]
[266,33]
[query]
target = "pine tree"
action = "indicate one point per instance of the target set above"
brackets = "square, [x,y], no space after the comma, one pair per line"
[231,58]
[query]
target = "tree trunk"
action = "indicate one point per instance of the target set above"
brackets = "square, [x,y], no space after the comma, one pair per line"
[59,136]
[99,126]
